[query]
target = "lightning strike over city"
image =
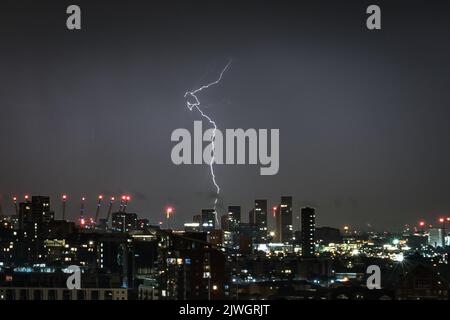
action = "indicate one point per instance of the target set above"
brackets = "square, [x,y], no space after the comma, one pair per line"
[196,105]
[224,159]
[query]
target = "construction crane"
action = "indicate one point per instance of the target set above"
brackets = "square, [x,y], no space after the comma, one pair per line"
[82,221]
[111,201]
[99,205]
[125,204]
[15,206]
[64,200]
[122,203]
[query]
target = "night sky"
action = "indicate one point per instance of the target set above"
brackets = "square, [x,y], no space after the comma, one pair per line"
[364,116]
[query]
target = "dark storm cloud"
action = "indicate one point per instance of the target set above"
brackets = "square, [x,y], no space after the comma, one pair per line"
[363,116]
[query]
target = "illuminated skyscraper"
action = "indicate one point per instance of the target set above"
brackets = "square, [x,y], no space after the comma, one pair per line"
[24,214]
[276,210]
[40,209]
[124,221]
[230,221]
[260,216]
[208,220]
[34,213]
[286,219]
[308,231]
[235,212]
[435,237]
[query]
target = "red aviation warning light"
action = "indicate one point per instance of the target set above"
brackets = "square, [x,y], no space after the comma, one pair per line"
[169,212]
[124,202]
[16,207]
[123,199]
[274,211]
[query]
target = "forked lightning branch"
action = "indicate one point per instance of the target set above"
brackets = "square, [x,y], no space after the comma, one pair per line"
[192,150]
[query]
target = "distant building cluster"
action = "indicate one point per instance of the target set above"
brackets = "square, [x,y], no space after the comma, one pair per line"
[123,256]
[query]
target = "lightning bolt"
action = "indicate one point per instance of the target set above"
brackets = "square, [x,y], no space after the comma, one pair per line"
[196,105]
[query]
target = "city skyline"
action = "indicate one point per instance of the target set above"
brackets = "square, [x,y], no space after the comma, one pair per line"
[107,205]
[363,117]
[224,158]
[125,257]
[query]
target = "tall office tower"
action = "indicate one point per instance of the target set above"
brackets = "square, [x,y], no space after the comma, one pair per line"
[308,231]
[208,220]
[260,216]
[234,217]
[40,209]
[34,223]
[32,214]
[124,222]
[286,219]
[235,212]
[24,214]
[277,237]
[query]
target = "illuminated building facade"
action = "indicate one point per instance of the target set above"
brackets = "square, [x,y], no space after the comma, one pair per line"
[260,216]
[308,231]
[285,230]
[208,220]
